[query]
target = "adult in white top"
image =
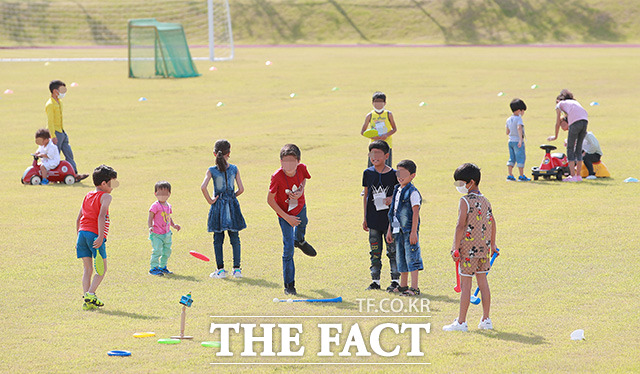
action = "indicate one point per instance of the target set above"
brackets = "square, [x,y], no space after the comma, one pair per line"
[577,119]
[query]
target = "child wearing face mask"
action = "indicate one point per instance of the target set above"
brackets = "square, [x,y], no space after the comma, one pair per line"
[59,136]
[224,214]
[286,198]
[475,241]
[382,120]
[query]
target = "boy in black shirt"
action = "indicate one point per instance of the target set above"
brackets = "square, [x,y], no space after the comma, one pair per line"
[378,182]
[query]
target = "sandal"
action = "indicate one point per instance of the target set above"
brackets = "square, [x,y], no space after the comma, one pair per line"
[399,289]
[411,292]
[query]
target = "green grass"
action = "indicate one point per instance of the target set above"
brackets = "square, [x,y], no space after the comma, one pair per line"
[96,22]
[568,250]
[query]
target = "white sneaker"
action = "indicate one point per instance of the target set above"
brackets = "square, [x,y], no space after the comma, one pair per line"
[219,274]
[237,273]
[591,177]
[486,324]
[455,326]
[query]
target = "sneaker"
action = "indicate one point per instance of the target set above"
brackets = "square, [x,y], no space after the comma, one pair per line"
[306,248]
[393,286]
[511,178]
[455,326]
[577,178]
[591,177]
[486,324]
[164,270]
[237,273]
[92,299]
[290,289]
[80,177]
[156,271]
[374,286]
[569,179]
[220,273]
[523,178]
[88,306]
[44,182]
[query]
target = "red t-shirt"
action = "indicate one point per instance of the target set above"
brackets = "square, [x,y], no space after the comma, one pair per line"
[280,182]
[90,211]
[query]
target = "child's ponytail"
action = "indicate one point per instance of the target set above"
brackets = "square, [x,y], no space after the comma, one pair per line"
[221,149]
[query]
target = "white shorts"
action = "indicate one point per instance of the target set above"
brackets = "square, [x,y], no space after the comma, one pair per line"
[48,164]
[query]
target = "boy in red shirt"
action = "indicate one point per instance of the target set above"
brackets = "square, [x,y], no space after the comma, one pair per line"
[286,198]
[92,227]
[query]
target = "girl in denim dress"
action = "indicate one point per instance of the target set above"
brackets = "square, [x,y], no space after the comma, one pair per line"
[224,214]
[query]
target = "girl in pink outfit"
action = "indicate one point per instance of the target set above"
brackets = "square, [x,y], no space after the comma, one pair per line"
[577,119]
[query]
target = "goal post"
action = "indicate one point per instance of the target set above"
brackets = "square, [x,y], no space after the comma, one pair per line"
[220,30]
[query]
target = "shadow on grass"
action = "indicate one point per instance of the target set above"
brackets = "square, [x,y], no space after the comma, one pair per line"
[442,298]
[531,339]
[256,282]
[600,182]
[175,276]
[121,313]
[75,185]
[326,295]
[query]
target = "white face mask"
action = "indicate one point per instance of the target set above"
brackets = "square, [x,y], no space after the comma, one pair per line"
[461,186]
[378,110]
[61,95]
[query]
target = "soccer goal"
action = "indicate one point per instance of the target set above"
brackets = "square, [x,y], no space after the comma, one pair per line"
[158,49]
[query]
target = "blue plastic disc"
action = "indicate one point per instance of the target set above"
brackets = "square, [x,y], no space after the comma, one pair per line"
[119,353]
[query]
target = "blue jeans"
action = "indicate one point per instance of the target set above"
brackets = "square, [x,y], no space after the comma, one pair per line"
[65,148]
[218,241]
[288,234]
[517,156]
[407,255]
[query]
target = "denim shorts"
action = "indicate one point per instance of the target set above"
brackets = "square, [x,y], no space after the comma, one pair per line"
[517,155]
[84,245]
[408,255]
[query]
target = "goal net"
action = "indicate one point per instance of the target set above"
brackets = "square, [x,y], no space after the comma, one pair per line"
[159,49]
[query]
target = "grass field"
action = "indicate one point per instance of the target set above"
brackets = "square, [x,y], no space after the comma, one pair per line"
[568,250]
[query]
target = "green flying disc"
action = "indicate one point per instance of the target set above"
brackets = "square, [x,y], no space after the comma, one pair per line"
[169,341]
[370,133]
[210,344]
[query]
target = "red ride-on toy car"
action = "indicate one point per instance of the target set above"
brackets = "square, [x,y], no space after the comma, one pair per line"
[62,173]
[553,164]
